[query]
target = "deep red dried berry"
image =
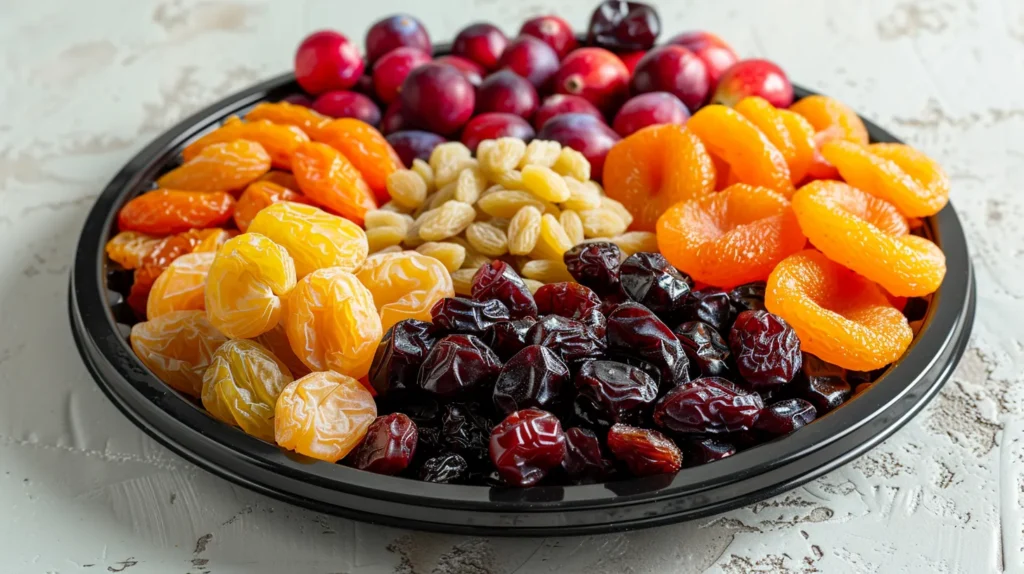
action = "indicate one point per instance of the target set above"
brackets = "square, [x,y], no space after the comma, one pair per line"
[388,447]
[708,406]
[711,305]
[457,365]
[609,392]
[498,280]
[785,416]
[766,349]
[571,300]
[466,316]
[645,452]
[583,460]
[596,265]
[707,350]
[597,322]
[633,330]
[506,338]
[399,356]
[748,297]
[526,445]
[568,337]
[825,385]
[534,377]
[444,469]
[649,279]
[706,449]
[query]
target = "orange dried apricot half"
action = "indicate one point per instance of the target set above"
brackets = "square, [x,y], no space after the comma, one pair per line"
[258,195]
[405,285]
[323,415]
[824,112]
[329,178]
[367,149]
[289,114]
[786,133]
[177,347]
[224,166]
[279,140]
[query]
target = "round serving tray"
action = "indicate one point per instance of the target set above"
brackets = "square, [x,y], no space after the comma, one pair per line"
[749,476]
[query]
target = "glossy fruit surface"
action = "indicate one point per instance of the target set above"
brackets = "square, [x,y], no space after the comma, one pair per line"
[396,363]
[596,75]
[765,348]
[397,31]
[526,446]
[634,331]
[178,347]
[313,238]
[583,133]
[405,285]
[596,265]
[824,385]
[327,60]
[388,447]
[584,462]
[444,469]
[534,377]
[390,71]
[705,348]
[470,69]
[413,144]
[785,416]
[224,166]
[481,43]
[571,339]
[494,125]
[708,406]
[242,385]
[458,365]
[438,97]
[554,31]
[346,104]
[712,306]
[698,451]
[330,179]
[181,286]
[245,285]
[507,92]
[652,108]
[164,212]
[367,150]
[323,415]
[649,279]
[623,26]
[570,300]
[532,59]
[754,77]
[610,392]
[645,452]
[466,316]
[675,70]
[717,55]
[737,142]
[558,104]
[506,338]
[498,280]
[278,140]
[258,196]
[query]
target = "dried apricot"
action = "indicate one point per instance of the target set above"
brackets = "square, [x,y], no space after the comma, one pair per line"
[751,156]
[164,211]
[177,347]
[258,195]
[276,341]
[323,415]
[225,166]
[657,167]
[824,112]
[840,316]
[314,238]
[288,114]
[129,248]
[329,178]
[332,323]
[795,145]
[283,178]
[869,236]
[245,285]
[731,237]
[279,140]
[367,149]
[242,385]
[181,286]
[405,285]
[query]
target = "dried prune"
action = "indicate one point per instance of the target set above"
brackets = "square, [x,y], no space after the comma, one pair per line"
[703,450]
[497,280]
[597,322]
[649,279]
[458,364]
[707,350]
[526,446]
[583,460]
[444,469]
[823,384]
[786,416]
[595,265]
[623,26]
[388,447]
[708,406]
[567,337]
[465,430]
[506,338]
[399,356]
[710,305]
[534,377]
[609,392]
[466,316]
[645,452]
[748,297]
[570,300]
[765,348]
[633,330]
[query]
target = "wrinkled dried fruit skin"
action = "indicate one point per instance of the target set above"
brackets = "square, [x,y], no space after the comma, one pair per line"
[645,452]
[388,447]
[609,392]
[332,323]
[396,364]
[224,166]
[526,446]
[823,384]
[180,287]
[366,148]
[751,157]
[466,431]
[245,285]
[261,194]
[707,449]
[765,348]
[178,347]
[164,211]
[633,330]
[584,462]
[329,178]
[289,114]
[572,340]
[498,280]
[623,26]
[276,341]
[323,415]
[534,377]
[405,285]
[444,469]
[596,265]
[506,338]
[571,300]
[458,365]
[785,416]
[277,139]
[705,348]
[711,306]
[461,315]
[748,297]
[242,385]
[708,406]
[649,279]
[314,238]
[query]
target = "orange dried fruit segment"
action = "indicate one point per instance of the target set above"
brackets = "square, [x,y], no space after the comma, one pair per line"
[224,166]
[731,237]
[782,132]
[323,415]
[655,168]
[129,248]
[824,112]
[177,347]
[897,173]
[288,114]
[329,178]
[279,140]
[314,238]
[181,286]
[166,211]
[405,285]
[751,156]
[283,178]
[869,236]
[242,385]
[258,195]
[367,149]
[840,316]
[801,132]
[276,341]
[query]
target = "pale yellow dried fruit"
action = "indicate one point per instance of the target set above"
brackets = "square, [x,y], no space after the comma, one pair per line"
[573,226]
[487,239]
[636,242]
[447,160]
[618,208]
[475,260]
[545,183]
[523,230]
[412,235]
[443,222]
[407,188]
[552,241]
[396,207]
[439,197]
[499,222]
[500,155]
[451,255]
[581,196]
[392,249]
[533,285]
[462,281]
[546,271]
[382,237]
[602,222]
[508,202]
[385,218]
[541,152]
[426,172]
[572,163]
[470,184]
[512,179]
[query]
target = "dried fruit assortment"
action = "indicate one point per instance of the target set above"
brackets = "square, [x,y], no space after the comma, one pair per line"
[464,246]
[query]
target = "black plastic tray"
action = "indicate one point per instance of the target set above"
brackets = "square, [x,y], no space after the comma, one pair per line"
[747,477]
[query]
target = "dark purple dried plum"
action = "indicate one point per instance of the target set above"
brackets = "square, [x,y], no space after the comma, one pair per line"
[748,297]
[645,452]
[444,469]
[711,305]
[596,321]
[464,430]
[596,265]
[399,356]
[633,330]
[649,279]
[506,338]
[534,377]
[466,316]
[458,364]
[784,417]
[609,392]
[570,300]
[707,350]
[583,460]
[497,280]
[526,446]
[698,451]
[610,303]
[571,339]
[623,26]
[765,348]
[388,447]
[823,384]
[708,406]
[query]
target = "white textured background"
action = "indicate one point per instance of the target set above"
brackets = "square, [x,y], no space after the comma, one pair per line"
[84,85]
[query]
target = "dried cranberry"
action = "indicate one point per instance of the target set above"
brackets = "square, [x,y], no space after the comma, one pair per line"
[498,280]
[649,279]
[573,340]
[465,430]
[596,265]
[388,447]
[710,305]
[444,469]
[534,377]
[706,449]
[458,364]
[399,356]
[785,416]
[748,297]
[583,458]
[766,349]
[506,338]
[645,452]
[623,26]
[823,384]
[633,330]
[526,445]
[708,406]
[466,316]
[571,300]
[706,349]
[609,392]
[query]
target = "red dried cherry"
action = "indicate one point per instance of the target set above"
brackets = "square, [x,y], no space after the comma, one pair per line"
[570,300]
[595,265]
[506,338]
[649,279]
[633,330]
[765,348]
[399,356]
[583,460]
[526,446]
[573,340]
[610,392]
[706,349]
[645,452]
[461,315]
[534,377]
[458,365]
[389,445]
[706,449]
[708,406]
[785,416]
[497,280]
